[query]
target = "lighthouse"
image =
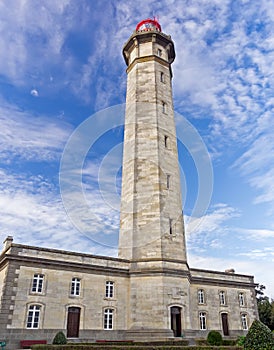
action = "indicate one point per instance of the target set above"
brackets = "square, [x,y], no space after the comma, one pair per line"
[152,232]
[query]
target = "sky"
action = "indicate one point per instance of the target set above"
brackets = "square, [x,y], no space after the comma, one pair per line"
[62,95]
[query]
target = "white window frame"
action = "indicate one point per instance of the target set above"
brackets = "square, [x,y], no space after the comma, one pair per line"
[244,322]
[222,297]
[109,289]
[108,319]
[37,283]
[33,316]
[201,296]
[241,299]
[159,52]
[75,288]
[202,320]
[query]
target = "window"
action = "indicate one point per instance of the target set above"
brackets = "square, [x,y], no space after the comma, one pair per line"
[170,227]
[75,286]
[166,141]
[241,299]
[159,52]
[162,77]
[33,316]
[202,318]
[108,319]
[222,298]
[163,107]
[168,182]
[201,296]
[244,322]
[37,283]
[109,289]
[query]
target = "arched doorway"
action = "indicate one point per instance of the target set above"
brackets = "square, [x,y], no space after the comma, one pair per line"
[225,323]
[176,326]
[73,322]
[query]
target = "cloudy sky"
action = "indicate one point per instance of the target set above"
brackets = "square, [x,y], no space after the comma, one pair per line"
[60,68]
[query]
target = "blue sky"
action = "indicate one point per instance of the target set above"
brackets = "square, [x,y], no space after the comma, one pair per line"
[61,65]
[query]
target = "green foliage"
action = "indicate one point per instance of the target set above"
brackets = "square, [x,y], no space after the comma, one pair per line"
[230,342]
[259,337]
[129,347]
[265,307]
[60,339]
[214,338]
[241,340]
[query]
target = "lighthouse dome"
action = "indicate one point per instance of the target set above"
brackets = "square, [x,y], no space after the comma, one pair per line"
[148,24]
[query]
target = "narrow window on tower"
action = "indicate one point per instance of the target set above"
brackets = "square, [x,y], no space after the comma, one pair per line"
[170,227]
[159,52]
[168,182]
[164,107]
[162,77]
[166,141]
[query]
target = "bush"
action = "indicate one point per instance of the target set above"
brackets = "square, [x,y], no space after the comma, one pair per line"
[60,339]
[241,340]
[259,337]
[214,338]
[230,342]
[130,347]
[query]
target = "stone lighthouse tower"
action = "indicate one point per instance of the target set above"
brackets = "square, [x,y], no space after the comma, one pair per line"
[152,233]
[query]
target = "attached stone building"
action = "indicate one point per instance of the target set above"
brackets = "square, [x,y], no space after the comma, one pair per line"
[149,291]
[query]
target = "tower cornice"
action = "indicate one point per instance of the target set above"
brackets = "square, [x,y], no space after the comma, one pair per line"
[146,59]
[140,37]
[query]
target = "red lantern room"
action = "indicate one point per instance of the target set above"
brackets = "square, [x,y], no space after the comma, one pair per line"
[148,24]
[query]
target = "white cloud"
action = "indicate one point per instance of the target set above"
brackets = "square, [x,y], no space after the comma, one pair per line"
[43,140]
[211,221]
[34,93]
[256,234]
[257,166]
[32,211]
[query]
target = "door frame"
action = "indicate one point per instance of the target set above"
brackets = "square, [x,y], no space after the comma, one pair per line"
[175,316]
[73,332]
[224,322]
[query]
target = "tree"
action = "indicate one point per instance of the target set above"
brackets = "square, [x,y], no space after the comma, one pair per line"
[265,307]
[259,337]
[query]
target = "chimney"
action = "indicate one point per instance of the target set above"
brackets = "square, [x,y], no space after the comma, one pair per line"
[7,242]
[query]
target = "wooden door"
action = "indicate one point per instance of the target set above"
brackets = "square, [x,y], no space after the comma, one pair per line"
[225,324]
[73,322]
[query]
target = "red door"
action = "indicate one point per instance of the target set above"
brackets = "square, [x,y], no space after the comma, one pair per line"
[73,322]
